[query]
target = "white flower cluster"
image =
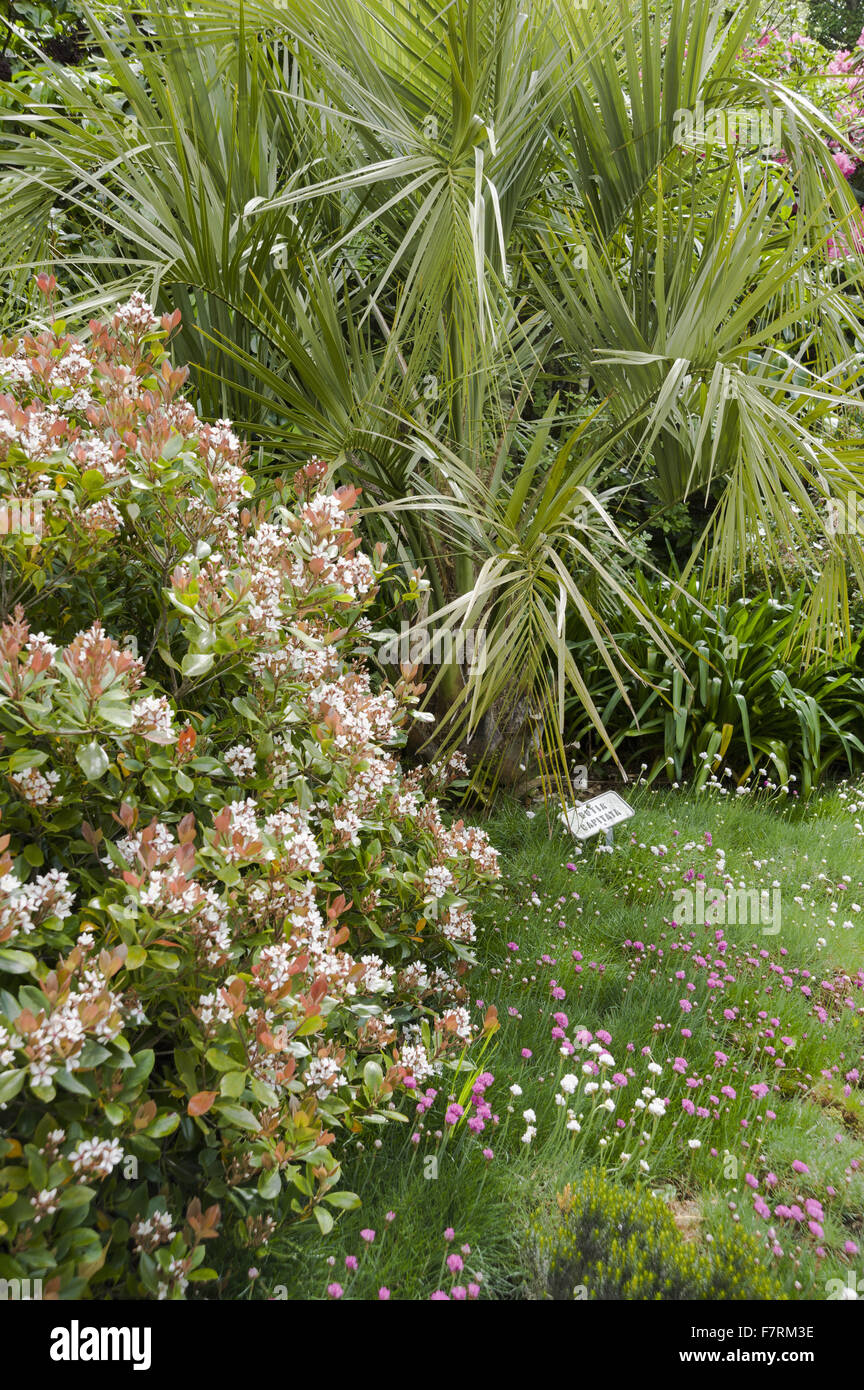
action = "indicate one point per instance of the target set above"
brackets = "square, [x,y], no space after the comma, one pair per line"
[378,977]
[437,881]
[96,1158]
[361,721]
[24,906]
[166,892]
[45,1203]
[352,574]
[325,1075]
[38,643]
[240,760]
[213,1012]
[56,1043]
[458,925]
[149,1234]
[102,515]
[35,786]
[297,849]
[413,1055]
[96,453]
[135,316]
[153,718]
[15,370]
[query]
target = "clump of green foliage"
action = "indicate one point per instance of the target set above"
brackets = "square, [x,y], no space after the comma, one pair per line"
[620,1244]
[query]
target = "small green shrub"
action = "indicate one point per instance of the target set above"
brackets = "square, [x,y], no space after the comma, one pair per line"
[622,1244]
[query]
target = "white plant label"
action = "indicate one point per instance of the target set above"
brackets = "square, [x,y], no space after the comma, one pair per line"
[597,815]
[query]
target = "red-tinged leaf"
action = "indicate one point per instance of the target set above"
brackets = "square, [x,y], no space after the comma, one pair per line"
[200,1103]
[187,740]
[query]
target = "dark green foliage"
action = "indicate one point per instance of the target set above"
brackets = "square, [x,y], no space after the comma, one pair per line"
[836,23]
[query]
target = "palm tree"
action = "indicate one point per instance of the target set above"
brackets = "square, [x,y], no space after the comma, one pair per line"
[388,225]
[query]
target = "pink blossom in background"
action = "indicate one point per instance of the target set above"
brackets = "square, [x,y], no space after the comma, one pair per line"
[846,165]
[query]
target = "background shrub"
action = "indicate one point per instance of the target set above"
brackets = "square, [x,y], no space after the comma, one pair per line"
[836,23]
[748,695]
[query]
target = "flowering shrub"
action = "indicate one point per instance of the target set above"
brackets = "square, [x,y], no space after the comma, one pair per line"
[231,929]
[833,81]
[623,1244]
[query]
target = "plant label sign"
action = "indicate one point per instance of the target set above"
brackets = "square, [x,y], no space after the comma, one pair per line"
[599,814]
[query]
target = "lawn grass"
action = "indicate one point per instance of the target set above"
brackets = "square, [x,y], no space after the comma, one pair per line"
[590,937]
